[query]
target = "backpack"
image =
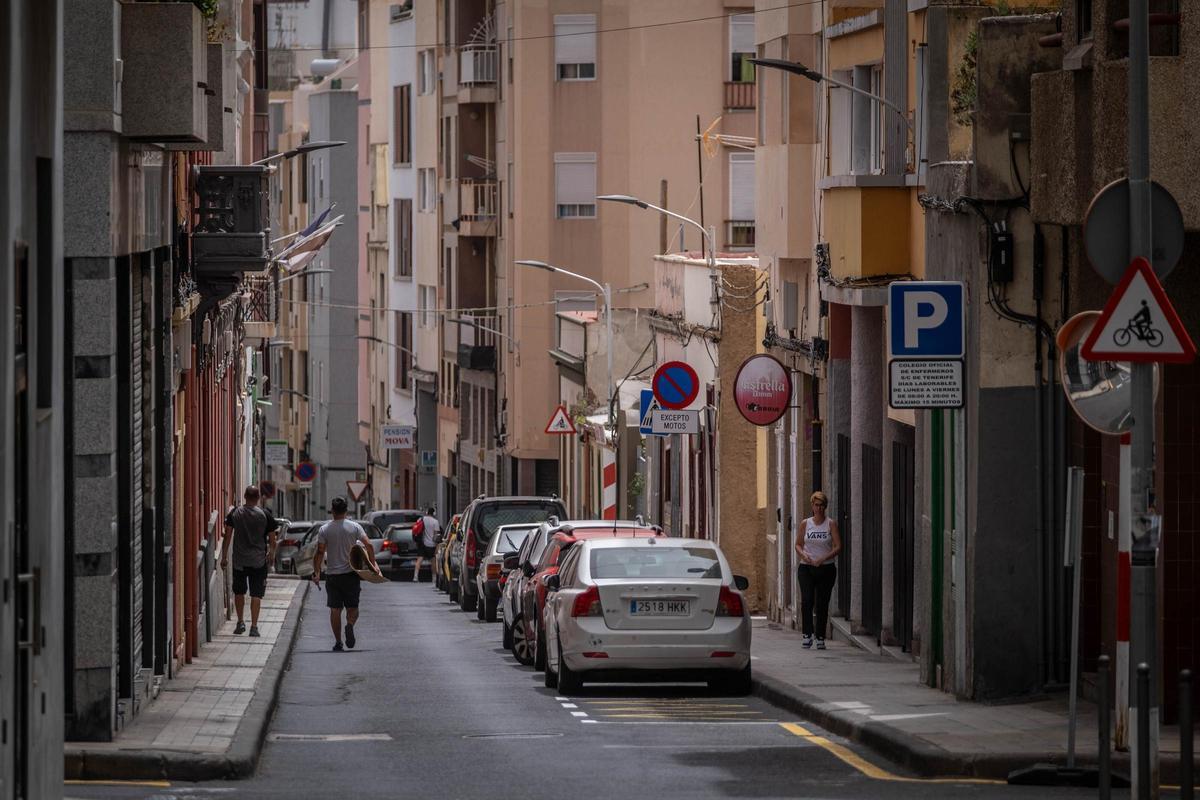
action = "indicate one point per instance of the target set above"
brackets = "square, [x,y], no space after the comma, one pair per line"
[418,532]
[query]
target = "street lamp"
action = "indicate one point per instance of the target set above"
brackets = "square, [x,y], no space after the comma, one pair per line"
[307,147]
[797,68]
[606,291]
[707,235]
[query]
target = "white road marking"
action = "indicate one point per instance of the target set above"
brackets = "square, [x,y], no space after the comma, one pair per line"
[329,737]
[687,722]
[585,721]
[569,705]
[578,713]
[895,717]
[560,699]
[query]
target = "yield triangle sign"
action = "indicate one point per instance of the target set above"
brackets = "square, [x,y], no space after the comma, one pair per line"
[1139,324]
[356,489]
[560,422]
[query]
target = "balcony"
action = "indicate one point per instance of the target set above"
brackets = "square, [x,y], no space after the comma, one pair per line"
[261,306]
[478,68]
[740,95]
[477,341]
[231,232]
[478,202]
[739,234]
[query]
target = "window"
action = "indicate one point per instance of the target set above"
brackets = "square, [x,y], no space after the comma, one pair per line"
[404,230]
[426,79]
[426,193]
[575,47]
[876,120]
[510,189]
[841,131]
[402,124]
[404,350]
[575,185]
[426,305]
[741,48]
[741,187]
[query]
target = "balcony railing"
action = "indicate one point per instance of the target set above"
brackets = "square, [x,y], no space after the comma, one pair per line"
[740,95]
[739,233]
[477,340]
[477,64]
[477,200]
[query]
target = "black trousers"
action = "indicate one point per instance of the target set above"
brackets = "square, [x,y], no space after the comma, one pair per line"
[816,587]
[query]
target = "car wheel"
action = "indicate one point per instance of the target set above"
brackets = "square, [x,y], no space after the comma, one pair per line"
[452,590]
[520,643]
[549,679]
[733,683]
[489,609]
[479,610]
[507,639]
[569,681]
[539,656]
[466,600]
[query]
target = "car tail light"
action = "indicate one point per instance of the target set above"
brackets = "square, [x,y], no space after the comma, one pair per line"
[722,654]
[493,571]
[595,655]
[470,549]
[290,543]
[587,604]
[729,604]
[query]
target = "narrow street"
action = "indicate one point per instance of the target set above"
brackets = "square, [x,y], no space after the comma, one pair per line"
[429,705]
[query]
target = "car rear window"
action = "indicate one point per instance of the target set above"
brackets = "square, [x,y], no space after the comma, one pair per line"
[492,515]
[387,518]
[511,540]
[298,529]
[655,562]
[371,531]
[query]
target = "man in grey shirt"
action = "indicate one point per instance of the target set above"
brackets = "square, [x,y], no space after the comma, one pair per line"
[342,584]
[251,532]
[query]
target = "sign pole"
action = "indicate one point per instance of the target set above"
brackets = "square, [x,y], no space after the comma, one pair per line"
[1143,583]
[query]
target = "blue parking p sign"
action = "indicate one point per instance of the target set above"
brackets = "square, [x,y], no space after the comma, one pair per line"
[926,319]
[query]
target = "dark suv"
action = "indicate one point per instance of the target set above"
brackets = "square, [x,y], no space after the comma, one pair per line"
[480,520]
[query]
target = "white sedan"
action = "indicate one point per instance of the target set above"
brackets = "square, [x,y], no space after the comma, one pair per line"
[647,609]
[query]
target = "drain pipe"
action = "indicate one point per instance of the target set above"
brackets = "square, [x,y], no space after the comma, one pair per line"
[1044,548]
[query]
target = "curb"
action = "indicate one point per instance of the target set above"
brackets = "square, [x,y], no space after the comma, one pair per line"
[239,761]
[920,757]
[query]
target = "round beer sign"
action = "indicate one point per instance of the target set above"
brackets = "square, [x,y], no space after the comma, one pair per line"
[762,390]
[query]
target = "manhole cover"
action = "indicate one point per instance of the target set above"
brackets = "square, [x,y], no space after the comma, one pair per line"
[512,735]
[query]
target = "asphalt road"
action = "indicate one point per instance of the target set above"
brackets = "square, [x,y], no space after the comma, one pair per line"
[428,705]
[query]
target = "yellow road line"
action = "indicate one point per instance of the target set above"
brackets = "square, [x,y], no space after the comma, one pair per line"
[152,784]
[868,769]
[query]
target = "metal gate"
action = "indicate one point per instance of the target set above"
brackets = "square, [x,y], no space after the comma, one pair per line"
[902,543]
[129,458]
[872,538]
[842,504]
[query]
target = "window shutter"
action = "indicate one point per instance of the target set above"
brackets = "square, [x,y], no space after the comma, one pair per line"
[741,33]
[574,38]
[575,178]
[741,186]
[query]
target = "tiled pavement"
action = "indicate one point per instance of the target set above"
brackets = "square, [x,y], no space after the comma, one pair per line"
[880,701]
[199,711]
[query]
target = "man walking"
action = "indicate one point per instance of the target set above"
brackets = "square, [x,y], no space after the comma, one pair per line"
[335,540]
[430,528]
[251,531]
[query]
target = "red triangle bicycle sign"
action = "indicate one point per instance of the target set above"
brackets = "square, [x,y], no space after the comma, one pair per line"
[561,422]
[1139,324]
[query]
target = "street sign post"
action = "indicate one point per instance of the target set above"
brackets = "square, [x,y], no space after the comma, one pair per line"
[1138,323]
[356,489]
[926,343]
[305,471]
[1106,230]
[676,385]
[665,421]
[560,422]
[397,437]
[646,404]
[276,453]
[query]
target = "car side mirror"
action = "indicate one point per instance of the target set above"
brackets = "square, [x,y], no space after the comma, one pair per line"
[551,583]
[741,582]
[510,562]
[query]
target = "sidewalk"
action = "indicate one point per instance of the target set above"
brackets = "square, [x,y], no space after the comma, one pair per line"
[879,701]
[208,722]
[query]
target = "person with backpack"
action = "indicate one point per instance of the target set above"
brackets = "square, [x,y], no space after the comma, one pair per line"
[425,532]
[250,534]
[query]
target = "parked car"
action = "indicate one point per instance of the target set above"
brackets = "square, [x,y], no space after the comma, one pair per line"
[506,542]
[517,569]
[655,609]
[450,549]
[382,520]
[398,540]
[562,538]
[308,546]
[480,520]
[291,536]
[439,556]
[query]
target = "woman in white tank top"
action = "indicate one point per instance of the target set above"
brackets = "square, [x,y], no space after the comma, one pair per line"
[816,548]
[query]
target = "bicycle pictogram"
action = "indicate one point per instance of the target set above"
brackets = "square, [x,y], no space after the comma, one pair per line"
[1139,327]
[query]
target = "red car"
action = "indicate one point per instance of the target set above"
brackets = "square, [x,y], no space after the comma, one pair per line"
[562,537]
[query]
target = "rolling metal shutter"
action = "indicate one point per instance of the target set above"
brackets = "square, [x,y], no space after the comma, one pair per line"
[137,393]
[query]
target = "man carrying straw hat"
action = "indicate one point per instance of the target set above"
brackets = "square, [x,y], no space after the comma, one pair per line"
[335,542]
